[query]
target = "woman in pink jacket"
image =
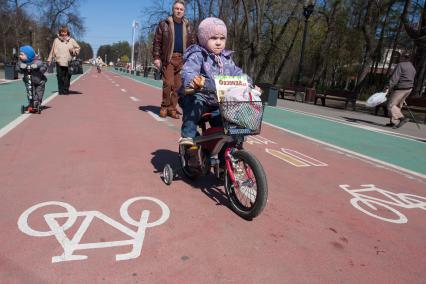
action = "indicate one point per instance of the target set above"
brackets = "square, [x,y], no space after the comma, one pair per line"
[63,49]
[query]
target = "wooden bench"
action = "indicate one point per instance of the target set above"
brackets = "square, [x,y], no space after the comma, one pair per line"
[296,92]
[338,95]
[417,104]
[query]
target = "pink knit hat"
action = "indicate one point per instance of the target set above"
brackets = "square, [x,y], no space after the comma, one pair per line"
[210,27]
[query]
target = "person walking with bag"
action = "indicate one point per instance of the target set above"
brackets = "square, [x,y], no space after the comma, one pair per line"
[63,49]
[171,39]
[399,87]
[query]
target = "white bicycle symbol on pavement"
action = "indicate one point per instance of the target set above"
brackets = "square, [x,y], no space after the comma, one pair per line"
[70,245]
[404,200]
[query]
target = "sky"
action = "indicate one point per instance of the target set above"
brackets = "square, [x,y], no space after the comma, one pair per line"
[109,21]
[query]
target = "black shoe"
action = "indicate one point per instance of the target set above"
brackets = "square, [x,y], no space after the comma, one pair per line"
[401,123]
[390,124]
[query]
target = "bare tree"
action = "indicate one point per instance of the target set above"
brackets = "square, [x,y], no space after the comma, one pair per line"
[287,55]
[6,26]
[56,13]
[62,12]
[323,53]
[274,41]
[418,34]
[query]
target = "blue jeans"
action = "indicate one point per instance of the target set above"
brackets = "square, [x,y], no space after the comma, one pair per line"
[194,106]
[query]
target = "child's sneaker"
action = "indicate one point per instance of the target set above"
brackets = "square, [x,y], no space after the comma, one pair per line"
[186,141]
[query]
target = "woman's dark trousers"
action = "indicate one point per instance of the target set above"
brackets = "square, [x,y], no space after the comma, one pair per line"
[64,78]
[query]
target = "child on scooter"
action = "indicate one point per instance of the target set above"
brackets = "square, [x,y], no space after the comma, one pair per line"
[201,63]
[27,56]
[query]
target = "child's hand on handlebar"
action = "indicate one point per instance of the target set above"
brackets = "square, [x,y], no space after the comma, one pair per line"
[197,82]
[386,91]
[258,89]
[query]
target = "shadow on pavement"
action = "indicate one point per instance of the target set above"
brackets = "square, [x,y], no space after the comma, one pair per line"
[45,107]
[209,184]
[69,92]
[357,120]
[74,92]
[154,109]
[161,157]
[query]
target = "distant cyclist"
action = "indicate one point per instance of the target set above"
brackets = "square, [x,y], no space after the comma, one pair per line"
[99,63]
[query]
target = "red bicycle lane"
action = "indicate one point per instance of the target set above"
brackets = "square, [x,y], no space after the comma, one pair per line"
[96,150]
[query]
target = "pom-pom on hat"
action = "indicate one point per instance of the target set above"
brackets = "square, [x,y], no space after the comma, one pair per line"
[210,27]
[29,52]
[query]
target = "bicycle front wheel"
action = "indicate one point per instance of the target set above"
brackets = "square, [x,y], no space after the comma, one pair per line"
[249,193]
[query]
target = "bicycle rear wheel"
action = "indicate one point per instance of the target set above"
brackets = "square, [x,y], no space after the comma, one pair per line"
[249,193]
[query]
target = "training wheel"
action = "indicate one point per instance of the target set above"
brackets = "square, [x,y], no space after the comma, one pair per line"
[167,174]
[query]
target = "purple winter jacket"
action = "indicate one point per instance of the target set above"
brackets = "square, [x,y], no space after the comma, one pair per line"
[200,61]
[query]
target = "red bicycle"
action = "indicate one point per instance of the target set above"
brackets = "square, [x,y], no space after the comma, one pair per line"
[220,150]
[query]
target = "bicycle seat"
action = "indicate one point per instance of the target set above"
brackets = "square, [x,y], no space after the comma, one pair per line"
[206,117]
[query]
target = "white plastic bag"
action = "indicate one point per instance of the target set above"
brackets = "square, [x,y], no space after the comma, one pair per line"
[244,109]
[376,99]
[236,94]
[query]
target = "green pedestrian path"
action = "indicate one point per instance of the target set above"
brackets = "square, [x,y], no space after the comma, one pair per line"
[13,96]
[402,152]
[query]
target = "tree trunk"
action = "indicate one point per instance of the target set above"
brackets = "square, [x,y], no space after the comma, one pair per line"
[419,37]
[378,56]
[273,47]
[287,54]
[368,29]
[236,4]
[253,32]
[398,32]
[328,41]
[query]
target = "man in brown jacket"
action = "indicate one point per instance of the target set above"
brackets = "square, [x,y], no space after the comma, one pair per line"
[172,37]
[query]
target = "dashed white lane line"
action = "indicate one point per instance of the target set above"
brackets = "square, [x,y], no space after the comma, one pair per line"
[156,117]
[124,90]
[134,99]
[117,85]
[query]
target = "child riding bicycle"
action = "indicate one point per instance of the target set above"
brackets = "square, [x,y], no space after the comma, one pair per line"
[202,62]
[29,63]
